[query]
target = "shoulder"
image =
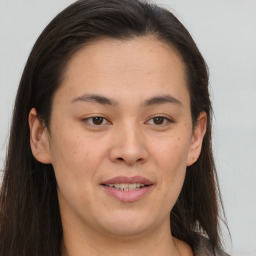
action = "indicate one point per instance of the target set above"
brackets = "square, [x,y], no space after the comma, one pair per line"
[203,247]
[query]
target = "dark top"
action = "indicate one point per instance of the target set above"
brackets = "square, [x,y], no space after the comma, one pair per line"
[204,248]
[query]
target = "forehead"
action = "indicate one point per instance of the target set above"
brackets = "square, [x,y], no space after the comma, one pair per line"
[141,65]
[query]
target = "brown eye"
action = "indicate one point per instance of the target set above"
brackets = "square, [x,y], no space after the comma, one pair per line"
[158,120]
[96,121]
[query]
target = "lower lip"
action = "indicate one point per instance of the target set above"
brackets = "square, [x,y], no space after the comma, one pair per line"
[127,196]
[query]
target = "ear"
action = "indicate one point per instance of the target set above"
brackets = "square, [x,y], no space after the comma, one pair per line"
[197,138]
[39,139]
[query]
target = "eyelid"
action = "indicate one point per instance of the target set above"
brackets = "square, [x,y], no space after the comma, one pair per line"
[87,120]
[168,120]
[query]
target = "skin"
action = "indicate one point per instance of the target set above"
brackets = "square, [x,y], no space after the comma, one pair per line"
[127,141]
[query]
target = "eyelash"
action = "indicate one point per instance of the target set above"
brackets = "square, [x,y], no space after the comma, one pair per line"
[87,120]
[93,118]
[165,120]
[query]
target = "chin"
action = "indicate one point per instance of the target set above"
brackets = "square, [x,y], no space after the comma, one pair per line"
[125,223]
[126,230]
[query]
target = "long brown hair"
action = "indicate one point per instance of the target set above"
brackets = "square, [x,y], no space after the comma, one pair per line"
[30,222]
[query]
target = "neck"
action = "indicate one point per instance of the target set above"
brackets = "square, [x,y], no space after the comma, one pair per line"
[154,242]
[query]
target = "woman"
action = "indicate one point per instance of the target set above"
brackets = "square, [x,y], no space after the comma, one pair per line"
[110,147]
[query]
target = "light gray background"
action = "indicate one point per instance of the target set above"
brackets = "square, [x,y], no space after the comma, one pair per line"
[226,35]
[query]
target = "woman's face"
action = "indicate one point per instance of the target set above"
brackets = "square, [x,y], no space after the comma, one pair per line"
[120,136]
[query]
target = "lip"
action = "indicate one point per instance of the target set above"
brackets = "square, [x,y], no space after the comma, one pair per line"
[128,180]
[127,196]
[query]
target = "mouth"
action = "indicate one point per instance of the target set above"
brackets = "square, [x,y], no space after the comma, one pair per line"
[126,186]
[127,189]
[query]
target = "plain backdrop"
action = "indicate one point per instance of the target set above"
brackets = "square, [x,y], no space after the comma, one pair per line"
[225,32]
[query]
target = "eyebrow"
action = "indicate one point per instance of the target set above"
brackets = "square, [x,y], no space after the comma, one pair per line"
[96,98]
[162,99]
[156,100]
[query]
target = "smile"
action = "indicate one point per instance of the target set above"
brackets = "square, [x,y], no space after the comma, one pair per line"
[127,187]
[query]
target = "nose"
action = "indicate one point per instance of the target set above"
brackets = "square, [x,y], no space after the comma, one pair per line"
[129,146]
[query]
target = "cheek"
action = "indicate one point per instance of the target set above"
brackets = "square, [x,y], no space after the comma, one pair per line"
[75,164]
[74,158]
[171,153]
[170,158]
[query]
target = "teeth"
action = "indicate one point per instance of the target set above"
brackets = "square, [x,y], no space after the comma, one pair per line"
[127,187]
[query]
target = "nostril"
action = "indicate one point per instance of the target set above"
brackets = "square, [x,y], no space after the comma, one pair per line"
[120,159]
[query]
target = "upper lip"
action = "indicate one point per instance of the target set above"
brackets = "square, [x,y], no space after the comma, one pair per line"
[128,180]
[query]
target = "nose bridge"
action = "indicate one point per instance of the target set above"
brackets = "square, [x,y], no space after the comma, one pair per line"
[130,144]
[132,136]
